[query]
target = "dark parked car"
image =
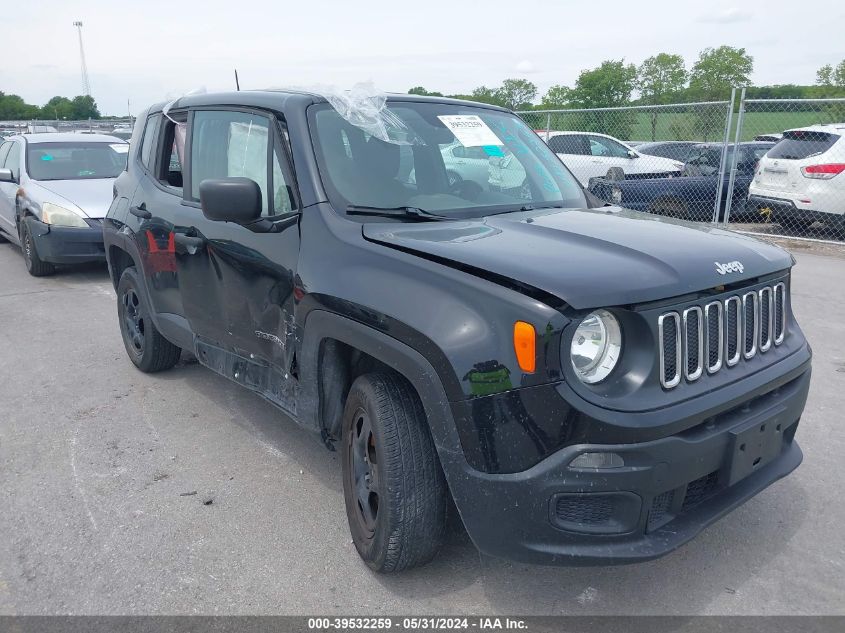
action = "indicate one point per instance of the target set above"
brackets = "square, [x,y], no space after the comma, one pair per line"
[691,196]
[676,150]
[589,385]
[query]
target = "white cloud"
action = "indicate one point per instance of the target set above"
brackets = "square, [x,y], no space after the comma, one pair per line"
[728,16]
[526,67]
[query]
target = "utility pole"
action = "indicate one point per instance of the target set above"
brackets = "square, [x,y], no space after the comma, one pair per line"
[86,85]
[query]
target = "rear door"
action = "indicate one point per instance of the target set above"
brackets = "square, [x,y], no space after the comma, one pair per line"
[156,212]
[237,285]
[574,150]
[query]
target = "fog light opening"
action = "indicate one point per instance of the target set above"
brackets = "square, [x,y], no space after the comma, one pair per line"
[597,461]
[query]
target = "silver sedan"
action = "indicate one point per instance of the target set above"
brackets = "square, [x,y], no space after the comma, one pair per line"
[54,191]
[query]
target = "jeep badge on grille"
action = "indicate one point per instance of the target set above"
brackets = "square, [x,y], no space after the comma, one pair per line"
[730,267]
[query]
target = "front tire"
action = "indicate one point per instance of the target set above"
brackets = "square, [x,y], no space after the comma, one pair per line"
[146,347]
[394,487]
[35,266]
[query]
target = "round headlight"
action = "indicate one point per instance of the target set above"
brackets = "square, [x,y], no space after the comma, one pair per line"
[596,346]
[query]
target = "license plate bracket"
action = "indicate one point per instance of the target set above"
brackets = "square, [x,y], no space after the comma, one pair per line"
[755,444]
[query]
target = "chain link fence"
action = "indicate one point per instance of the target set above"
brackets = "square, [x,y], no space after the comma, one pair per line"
[771,167]
[89,126]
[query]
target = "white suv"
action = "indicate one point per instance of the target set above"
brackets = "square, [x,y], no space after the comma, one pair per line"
[802,178]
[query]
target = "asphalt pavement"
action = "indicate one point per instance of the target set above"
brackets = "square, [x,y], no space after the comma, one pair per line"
[182,493]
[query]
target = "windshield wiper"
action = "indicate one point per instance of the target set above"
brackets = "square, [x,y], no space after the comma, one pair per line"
[527,207]
[392,212]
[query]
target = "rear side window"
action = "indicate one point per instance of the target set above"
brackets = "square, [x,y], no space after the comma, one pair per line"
[172,149]
[800,144]
[150,136]
[570,144]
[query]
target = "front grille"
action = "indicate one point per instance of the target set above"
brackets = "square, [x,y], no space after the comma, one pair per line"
[700,490]
[669,326]
[664,508]
[720,333]
[659,513]
[594,510]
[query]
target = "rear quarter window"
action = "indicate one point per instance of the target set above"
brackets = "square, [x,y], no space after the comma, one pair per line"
[802,144]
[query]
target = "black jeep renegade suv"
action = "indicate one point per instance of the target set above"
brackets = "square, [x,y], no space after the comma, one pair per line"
[425,286]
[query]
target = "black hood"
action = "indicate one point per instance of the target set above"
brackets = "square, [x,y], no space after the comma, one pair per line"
[592,258]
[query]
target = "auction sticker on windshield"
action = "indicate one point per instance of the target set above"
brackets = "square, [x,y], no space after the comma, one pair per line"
[120,148]
[470,130]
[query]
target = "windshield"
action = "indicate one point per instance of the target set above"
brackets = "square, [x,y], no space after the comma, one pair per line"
[457,161]
[75,161]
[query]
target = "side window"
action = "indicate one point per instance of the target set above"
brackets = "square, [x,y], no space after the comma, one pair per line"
[150,136]
[228,144]
[13,160]
[172,148]
[600,146]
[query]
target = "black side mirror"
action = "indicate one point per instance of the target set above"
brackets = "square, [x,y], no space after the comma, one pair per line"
[231,200]
[6,175]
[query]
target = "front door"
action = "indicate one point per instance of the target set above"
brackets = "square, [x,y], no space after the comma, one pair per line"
[10,158]
[237,285]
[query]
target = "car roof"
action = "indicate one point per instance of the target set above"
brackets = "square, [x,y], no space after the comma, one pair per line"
[741,144]
[69,137]
[656,143]
[820,127]
[283,98]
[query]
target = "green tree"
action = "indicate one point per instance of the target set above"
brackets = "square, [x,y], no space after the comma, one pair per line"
[716,71]
[608,86]
[824,75]
[419,90]
[557,98]
[839,74]
[14,107]
[84,107]
[660,79]
[483,94]
[57,108]
[720,69]
[517,94]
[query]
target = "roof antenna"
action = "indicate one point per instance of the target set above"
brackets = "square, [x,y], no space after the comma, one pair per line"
[237,83]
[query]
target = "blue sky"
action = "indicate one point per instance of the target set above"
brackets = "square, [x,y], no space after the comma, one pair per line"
[148,51]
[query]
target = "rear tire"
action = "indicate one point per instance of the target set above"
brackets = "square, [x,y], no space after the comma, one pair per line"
[394,488]
[35,266]
[146,347]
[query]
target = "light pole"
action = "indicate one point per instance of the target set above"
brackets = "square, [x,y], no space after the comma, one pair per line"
[86,84]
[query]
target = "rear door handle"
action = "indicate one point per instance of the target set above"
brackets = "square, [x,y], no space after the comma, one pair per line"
[192,244]
[141,211]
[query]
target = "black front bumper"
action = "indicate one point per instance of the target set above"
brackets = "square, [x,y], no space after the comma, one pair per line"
[66,245]
[668,490]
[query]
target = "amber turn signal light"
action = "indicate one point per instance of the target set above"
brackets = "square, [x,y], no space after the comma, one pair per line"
[524,344]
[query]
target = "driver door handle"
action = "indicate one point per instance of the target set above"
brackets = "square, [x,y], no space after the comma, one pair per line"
[141,211]
[192,244]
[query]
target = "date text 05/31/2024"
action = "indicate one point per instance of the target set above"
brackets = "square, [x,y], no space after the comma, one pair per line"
[416,623]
